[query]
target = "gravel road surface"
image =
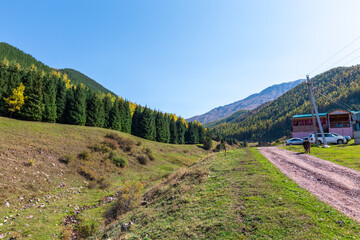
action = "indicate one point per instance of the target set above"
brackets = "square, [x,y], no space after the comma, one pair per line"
[334,184]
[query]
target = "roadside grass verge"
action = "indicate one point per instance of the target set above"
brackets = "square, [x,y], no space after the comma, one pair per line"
[241,195]
[347,155]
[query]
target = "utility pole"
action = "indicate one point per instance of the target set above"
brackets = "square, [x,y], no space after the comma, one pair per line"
[316,112]
[312,112]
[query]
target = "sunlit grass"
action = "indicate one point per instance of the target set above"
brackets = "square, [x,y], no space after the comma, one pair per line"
[347,155]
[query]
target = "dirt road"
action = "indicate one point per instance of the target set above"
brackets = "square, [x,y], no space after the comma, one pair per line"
[334,184]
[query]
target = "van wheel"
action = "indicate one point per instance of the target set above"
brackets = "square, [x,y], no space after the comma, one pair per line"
[340,141]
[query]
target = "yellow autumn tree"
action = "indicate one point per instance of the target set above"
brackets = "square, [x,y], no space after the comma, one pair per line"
[16,100]
[132,108]
[67,81]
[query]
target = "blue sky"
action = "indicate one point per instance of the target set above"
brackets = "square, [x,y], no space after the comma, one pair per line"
[185,56]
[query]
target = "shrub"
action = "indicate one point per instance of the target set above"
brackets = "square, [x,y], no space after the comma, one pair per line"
[119,161]
[87,173]
[66,159]
[142,159]
[112,154]
[126,144]
[91,185]
[31,163]
[103,183]
[129,197]
[220,147]
[99,148]
[66,233]
[207,143]
[111,143]
[149,153]
[88,228]
[112,135]
[84,155]
[95,148]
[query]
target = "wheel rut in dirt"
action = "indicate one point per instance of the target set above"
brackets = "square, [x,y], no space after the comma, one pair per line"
[336,185]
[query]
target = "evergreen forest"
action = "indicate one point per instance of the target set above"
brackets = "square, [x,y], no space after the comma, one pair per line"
[38,93]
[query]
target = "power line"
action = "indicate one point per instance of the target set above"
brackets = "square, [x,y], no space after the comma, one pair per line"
[334,55]
[340,104]
[345,57]
[352,60]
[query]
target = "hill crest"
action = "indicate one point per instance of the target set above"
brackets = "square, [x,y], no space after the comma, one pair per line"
[25,60]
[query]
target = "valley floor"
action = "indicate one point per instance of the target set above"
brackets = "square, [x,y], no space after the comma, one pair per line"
[240,195]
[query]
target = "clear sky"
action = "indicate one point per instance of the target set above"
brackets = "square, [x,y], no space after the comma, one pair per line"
[185,56]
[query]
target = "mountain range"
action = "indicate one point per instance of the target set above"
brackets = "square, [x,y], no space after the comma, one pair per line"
[249,103]
[336,88]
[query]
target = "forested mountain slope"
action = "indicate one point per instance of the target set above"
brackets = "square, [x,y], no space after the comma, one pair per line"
[26,60]
[340,84]
[249,103]
[78,77]
[236,115]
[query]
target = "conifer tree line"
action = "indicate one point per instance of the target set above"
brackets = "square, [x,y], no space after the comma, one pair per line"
[36,95]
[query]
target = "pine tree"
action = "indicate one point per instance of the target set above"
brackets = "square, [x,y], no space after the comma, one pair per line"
[173,131]
[181,129]
[191,134]
[94,110]
[76,105]
[107,107]
[60,98]
[4,78]
[125,113]
[49,99]
[115,118]
[167,127]
[207,142]
[13,76]
[33,107]
[201,132]
[135,125]
[147,124]
[160,127]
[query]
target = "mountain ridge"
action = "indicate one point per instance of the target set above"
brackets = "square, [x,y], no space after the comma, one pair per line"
[12,53]
[248,103]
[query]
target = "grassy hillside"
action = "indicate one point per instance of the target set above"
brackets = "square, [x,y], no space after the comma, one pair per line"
[78,77]
[340,84]
[26,60]
[50,170]
[235,196]
[249,103]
